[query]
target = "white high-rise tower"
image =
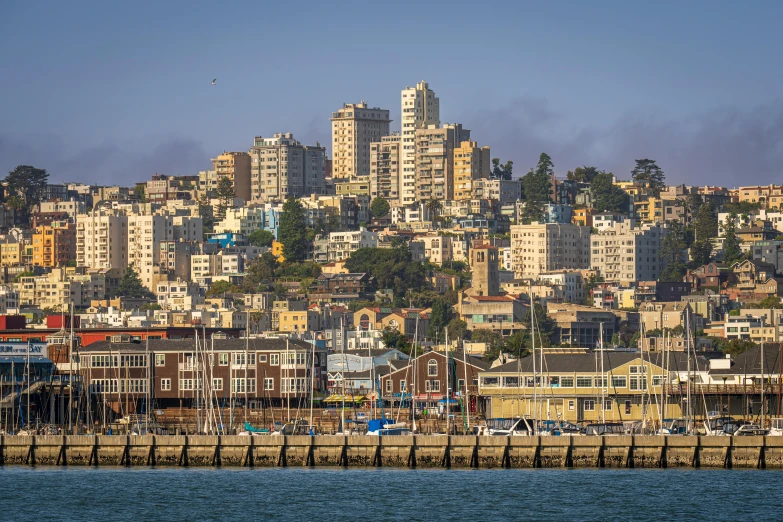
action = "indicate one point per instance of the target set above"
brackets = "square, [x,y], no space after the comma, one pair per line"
[420,108]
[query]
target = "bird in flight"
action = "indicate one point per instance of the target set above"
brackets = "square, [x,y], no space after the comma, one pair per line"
[213,81]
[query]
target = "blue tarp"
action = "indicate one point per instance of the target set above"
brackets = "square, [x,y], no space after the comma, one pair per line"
[451,401]
[377,424]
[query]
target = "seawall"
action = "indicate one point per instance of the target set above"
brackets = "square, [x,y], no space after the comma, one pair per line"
[411,451]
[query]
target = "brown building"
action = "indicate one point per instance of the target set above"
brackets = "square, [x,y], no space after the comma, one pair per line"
[429,373]
[54,245]
[265,372]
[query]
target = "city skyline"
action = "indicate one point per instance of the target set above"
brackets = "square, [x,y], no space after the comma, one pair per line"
[103,95]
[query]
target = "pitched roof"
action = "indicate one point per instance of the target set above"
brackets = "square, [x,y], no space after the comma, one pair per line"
[749,362]
[183,345]
[590,362]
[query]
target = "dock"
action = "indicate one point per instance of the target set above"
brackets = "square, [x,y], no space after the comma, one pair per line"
[403,451]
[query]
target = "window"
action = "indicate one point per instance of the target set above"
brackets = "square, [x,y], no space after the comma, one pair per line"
[239,358]
[160,360]
[566,382]
[607,405]
[627,407]
[432,368]
[490,381]
[638,382]
[274,359]
[165,384]
[388,385]
[238,385]
[584,382]
[223,359]
[427,386]
[262,358]
[435,385]
[511,382]
[657,380]
[461,384]
[402,386]
[589,405]
[217,383]
[571,405]
[619,381]
[269,383]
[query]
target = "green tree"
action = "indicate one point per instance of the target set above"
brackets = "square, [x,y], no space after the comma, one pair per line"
[291,231]
[434,206]
[261,238]
[701,253]
[458,329]
[583,174]
[131,285]
[260,270]
[220,288]
[393,339]
[705,223]
[440,317]
[225,195]
[649,172]
[502,171]
[379,207]
[140,191]
[537,186]
[607,197]
[731,249]
[771,301]
[16,203]
[392,268]
[672,248]
[734,347]
[29,184]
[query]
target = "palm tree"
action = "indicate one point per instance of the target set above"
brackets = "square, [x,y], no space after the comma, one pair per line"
[434,206]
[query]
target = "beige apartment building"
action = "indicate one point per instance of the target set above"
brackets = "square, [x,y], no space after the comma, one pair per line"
[236,167]
[626,254]
[102,240]
[386,169]
[471,163]
[354,128]
[435,160]
[543,247]
[10,252]
[281,167]
[61,287]
[420,108]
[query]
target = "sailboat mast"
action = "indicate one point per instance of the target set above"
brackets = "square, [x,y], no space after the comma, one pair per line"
[247,357]
[147,385]
[762,376]
[689,415]
[603,375]
[448,395]
[533,346]
[312,384]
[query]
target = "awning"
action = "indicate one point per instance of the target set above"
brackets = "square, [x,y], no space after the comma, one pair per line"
[451,401]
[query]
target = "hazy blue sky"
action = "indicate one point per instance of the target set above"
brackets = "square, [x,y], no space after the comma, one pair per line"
[116,91]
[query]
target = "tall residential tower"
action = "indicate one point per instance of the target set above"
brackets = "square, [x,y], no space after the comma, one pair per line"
[420,108]
[354,128]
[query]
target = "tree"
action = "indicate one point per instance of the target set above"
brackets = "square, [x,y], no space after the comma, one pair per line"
[583,174]
[701,253]
[259,270]
[291,231]
[261,238]
[537,186]
[392,338]
[440,317]
[731,249]
[16,203]
[434,206]
[705,223]
[131,286]
[771,301]
[607,197]
[225,195]
[219,288]
[502,171]
[458,329]
[379,207]
[647,171]
[392,268]
[672,248]
[140,191]
[29,184]
[734,347]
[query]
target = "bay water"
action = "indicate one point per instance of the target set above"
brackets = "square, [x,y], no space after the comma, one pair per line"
[50,493]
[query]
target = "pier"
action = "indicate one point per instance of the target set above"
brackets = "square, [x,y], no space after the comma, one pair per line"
[404,451]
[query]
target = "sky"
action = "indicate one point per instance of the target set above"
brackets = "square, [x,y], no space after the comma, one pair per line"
[113,92]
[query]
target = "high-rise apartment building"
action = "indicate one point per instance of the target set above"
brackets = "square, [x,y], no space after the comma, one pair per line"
[471,164]
[354,128]
[281,167]
[54,245]
[235,166]
[541,247]
[434,160]
[420,108]
[626,254]
[386,169]
[102,240]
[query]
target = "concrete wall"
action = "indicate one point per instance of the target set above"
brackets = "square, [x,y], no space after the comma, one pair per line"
[434,451]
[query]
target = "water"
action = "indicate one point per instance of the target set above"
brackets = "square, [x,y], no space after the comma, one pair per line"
[388,494]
